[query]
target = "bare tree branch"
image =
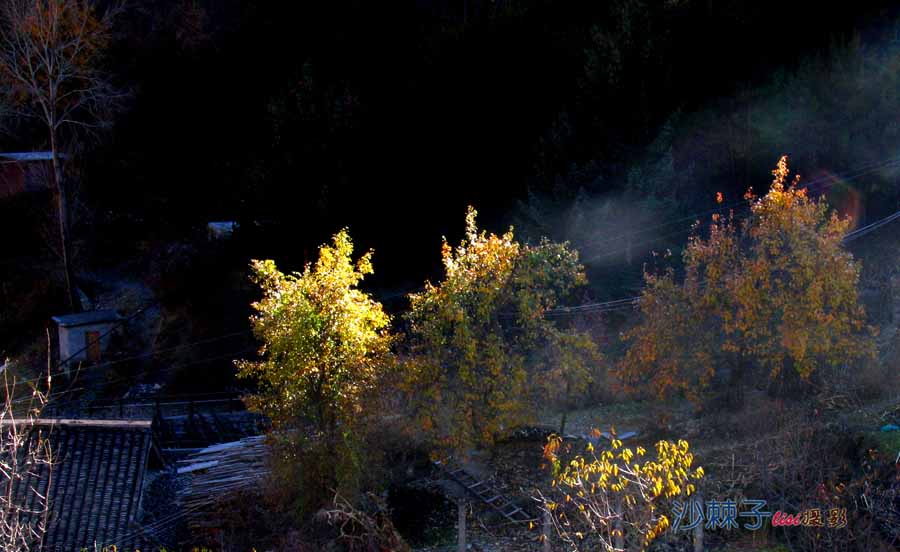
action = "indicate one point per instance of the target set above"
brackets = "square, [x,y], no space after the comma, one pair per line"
[50,53]
[25,453]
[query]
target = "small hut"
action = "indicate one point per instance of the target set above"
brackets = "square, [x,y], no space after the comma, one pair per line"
[85,336]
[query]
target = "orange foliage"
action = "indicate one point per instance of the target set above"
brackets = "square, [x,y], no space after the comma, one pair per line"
[777,291]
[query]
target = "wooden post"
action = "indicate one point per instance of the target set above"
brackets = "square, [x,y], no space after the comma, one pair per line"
[548,527]
[698,530]
[461,507]
[698,538]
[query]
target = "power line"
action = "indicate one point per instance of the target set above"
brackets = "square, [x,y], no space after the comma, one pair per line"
[54,397]
[155,526]
[618,304]
[820,181]
[606,306]
[97,339]
[741,205]
[147,355]
[859,232]
[90,342]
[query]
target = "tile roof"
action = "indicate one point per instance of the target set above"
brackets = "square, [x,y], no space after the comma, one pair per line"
[96,484]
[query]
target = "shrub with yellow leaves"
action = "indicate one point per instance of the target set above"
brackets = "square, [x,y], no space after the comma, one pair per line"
[325,349]
[617,498]
[481,354]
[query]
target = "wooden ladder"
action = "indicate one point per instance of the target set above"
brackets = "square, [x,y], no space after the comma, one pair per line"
[487,494]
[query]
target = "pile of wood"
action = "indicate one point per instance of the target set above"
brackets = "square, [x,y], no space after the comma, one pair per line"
[218,471]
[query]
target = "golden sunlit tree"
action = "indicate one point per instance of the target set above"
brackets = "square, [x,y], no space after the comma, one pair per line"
[775,294]
[325,344]
[481,354]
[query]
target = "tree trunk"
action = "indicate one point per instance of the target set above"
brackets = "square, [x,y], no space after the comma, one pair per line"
[619,527]
[62,215]
[565,414]
[736,380]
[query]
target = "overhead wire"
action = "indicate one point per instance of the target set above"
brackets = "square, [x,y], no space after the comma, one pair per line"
[617,304]
[817,182]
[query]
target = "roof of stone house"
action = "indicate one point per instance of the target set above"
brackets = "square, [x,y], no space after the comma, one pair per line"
[89,317]
[95,482]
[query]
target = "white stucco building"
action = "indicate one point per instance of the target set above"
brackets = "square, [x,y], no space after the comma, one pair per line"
[85,336]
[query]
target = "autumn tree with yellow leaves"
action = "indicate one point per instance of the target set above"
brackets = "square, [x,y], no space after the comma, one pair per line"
[481,355]
[325,345]
[618,498]
[774,296]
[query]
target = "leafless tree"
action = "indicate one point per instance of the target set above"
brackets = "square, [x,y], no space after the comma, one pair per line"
[361,531]
[25,455]
[50,52]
